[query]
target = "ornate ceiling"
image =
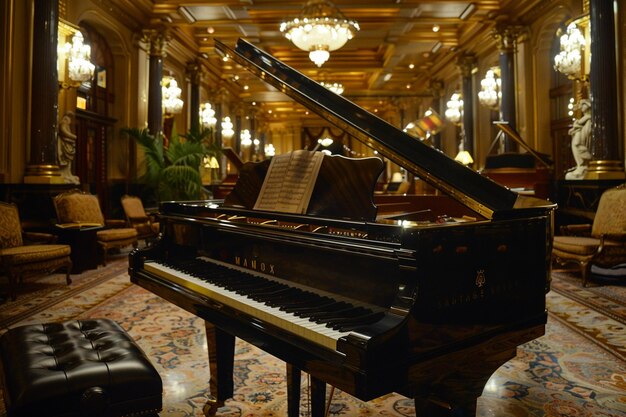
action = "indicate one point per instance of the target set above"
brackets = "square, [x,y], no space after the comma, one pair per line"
[396,53]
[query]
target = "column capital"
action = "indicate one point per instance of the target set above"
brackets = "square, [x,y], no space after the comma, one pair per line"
[506,35]
[194,71]
[157,40]
[435,86]
[466,62]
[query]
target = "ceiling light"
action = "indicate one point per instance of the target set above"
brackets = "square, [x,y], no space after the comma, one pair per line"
[319,29]
[436,28]
[571,57]
[454,111]
[227,128]
[469,10]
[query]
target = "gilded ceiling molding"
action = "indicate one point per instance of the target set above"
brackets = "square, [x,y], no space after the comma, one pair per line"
[157,39]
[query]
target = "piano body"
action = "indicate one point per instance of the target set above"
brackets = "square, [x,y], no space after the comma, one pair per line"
[425,297]
[530,173]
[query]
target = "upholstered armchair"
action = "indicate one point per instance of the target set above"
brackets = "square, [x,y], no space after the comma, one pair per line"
[19,260]
[602,243]
[146,225]
[79,209]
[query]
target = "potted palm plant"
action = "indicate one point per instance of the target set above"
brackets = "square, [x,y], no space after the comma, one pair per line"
[172,172]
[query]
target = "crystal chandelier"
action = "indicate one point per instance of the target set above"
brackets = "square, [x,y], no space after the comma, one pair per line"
[569,60]
[491,93]
[227,128]
[319,29]
[207,116]
[336,88]
[78,56]
[172,104]
[246,138]
[454,110]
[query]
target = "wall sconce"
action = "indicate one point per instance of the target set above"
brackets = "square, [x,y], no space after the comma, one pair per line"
[227,128]
[172,103]
[573,58]
[207,116]
[74,58]
[491,89]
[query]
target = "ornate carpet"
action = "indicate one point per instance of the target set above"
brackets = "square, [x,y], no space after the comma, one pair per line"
[576,369]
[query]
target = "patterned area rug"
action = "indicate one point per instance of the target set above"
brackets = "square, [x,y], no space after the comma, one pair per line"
[576,369]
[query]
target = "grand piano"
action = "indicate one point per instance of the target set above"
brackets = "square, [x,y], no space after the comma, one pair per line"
[424,296]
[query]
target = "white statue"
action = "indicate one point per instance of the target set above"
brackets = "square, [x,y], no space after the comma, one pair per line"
[581,140]
[66,148]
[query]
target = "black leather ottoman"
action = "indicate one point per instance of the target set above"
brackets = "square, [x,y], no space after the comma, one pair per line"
[77,368]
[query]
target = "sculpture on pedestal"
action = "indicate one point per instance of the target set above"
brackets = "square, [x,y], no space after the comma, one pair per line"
[581,138]
[66,149]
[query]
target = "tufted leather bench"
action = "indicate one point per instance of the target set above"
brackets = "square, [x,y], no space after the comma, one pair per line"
[77,368]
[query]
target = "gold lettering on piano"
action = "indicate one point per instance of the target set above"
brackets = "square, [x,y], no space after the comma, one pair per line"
[255,265]
[479,293]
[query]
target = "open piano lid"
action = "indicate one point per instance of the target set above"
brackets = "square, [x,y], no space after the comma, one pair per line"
[475,191]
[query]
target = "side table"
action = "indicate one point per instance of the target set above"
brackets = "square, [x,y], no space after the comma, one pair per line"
[82,240]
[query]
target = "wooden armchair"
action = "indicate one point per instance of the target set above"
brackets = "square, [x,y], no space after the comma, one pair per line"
[79,209]
[602,243]
[19,260]
[146,225]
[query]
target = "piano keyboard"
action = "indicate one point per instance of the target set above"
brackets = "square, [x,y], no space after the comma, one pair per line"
[317,318]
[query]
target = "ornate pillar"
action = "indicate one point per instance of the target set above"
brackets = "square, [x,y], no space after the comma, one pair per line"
[505,36]
[436,88]
[194,72]
[606,162]
[466,63]
[42,167]
[157,40]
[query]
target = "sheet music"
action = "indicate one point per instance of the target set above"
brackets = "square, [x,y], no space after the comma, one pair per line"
[289,182]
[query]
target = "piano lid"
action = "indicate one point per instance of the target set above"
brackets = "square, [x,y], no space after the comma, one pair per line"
[477,192]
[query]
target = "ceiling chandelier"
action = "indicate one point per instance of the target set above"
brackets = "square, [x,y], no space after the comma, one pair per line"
[319,28]
[207,115]
[336,88]
[491,93]
[570,60]
[246,137]
[172,104]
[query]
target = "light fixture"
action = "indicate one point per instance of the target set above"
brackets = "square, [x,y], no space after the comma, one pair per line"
[227,128]
[74,58]
[464,157]
[270,150]
[210,162]
[571,59]
[336,88]
[246,138]
[490,93]
[207,115]
[325,142]
[172,104]
[319,29]
[454,110]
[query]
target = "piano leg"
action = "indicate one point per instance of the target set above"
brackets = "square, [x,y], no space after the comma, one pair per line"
[221,364]
[293,391]
[318,397]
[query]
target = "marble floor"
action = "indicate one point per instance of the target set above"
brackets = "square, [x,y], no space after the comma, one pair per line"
[563,373]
